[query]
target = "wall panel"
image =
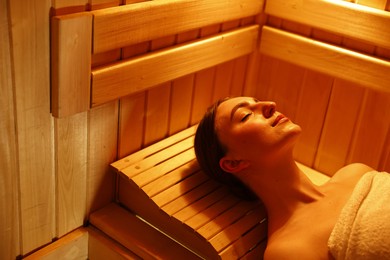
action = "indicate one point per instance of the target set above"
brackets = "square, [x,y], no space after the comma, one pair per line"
[30,53]
[9,202]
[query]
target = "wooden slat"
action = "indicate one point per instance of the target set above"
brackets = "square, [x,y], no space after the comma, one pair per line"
[160,169]
[146,164]
[370,134]
[235,230]
[136,235]
[146,152]
[201,204]
[28,28]
[71,165]
[212,212]
[326,58]
[225,219]
[71,44]
[121,79]
[195,194]
[101,246]
[180,189]
[171,178]
[9,205]
[361,22]
[72,246]
[129,24]
[102,134]
[246,243]
[339,127]
[311,112]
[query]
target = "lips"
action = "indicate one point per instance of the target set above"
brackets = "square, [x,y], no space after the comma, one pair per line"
[279,118]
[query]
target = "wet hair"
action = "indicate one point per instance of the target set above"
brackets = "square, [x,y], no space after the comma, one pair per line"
[209,151]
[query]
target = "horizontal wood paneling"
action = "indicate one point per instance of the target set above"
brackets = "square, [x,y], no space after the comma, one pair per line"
[336,61]
[340,17]
[121,79]
[129,24]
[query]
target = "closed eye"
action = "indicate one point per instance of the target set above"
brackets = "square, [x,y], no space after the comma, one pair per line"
[246,116]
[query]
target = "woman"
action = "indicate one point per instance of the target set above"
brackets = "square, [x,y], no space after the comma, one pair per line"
[244,141]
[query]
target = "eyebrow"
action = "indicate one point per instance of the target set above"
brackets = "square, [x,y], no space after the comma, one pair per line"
[236,107]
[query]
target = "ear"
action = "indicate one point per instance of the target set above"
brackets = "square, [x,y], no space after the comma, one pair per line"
[232,166]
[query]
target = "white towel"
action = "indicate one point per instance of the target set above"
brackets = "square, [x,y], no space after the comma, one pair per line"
[363,228]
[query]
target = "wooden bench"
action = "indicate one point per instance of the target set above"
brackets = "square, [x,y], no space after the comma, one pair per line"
[165,187]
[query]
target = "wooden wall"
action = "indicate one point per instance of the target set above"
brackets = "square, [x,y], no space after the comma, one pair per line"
[54,171]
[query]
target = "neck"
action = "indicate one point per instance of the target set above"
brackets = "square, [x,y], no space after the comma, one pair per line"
[282,187]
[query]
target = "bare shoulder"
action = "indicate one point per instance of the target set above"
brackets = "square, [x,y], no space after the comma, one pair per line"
[351,172]
[289,250]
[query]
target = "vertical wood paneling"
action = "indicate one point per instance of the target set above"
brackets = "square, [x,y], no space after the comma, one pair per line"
[222,80]
[71,137]
[131,124]
[339,127]
[311,113]
[158,98]
[370,137]
[102,151]
[9,203]
[202,98]
[180,104]
[157,113]
[182,92]
[204,83]
[30,37]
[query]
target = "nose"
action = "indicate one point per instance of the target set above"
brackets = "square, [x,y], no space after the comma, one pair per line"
[268,109]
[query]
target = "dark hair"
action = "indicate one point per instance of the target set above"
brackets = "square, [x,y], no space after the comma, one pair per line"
[209,151]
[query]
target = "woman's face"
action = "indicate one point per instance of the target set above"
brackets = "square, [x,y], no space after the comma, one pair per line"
[251,129]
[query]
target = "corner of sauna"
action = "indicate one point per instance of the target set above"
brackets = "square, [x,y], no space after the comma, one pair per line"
[99,122]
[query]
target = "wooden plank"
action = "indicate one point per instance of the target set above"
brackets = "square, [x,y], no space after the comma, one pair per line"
[126,25]
[370,134]
[234,231]
[180,105]
[378,4]
[9,220]
[336,61]
[193,195]
[157,171]
[71,44]
[157,114]
[29,23]
[311,112]
[361,22]
[121,79]
[131,124]
[134,169]
[136,235]
[61,7]
[216,225]
[147,151]
[177,191]
[102,151]
[71,167]
[201,204]
[212,212]
[171,178]
[339,127]
[72,246]
[102,247]
[250,239]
